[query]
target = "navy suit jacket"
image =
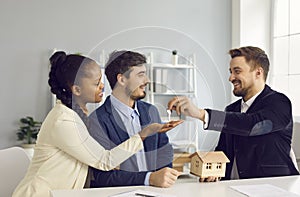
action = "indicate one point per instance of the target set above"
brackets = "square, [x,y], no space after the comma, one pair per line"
[107,128]
[259,139]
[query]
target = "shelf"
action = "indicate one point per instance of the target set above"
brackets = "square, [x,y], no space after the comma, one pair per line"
[166,118]
[178,144]
[171,80]
[163,65]
[174,93]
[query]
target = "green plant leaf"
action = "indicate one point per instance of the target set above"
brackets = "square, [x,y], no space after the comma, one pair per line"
[28,130]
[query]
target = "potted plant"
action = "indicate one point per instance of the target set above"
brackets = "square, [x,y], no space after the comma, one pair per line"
[28,131]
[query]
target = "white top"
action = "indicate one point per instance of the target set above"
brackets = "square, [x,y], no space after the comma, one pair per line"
[63,152]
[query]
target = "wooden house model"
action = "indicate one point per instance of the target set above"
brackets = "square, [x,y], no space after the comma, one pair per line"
[205,164]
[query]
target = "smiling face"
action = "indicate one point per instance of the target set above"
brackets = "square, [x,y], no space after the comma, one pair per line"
[243,77]
[90,86]
[136,83]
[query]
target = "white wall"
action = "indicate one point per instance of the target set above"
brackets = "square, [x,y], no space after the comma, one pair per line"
[251,25]
[251,21]
[296,137]
[31,29]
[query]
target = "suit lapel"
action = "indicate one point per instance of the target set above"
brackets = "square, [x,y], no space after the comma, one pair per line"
[150,143]
[144,115]
[118,133]
[234,107]
[237,108]
[259,98]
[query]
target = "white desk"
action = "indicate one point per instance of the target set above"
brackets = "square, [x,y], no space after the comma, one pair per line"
[190,187]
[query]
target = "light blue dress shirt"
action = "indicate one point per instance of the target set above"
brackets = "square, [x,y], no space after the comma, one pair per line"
[131,121]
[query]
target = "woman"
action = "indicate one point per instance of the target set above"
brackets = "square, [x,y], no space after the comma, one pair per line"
[64,148]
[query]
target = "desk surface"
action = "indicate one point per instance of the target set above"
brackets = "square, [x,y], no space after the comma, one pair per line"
[190,187]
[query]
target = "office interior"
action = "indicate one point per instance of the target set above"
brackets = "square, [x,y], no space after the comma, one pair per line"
[31,30]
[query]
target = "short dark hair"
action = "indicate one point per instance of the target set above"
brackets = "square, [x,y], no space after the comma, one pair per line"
[253,55]
[120,62]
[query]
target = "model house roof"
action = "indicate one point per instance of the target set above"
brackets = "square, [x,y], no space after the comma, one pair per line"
[211,157]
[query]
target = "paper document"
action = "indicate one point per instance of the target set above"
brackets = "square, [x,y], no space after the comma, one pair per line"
[263,190]
[141,193]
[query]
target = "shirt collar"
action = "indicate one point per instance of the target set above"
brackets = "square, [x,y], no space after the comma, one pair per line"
[251,100]
[121,107]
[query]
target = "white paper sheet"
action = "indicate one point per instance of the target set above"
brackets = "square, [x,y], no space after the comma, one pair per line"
[263,190]
[141,193]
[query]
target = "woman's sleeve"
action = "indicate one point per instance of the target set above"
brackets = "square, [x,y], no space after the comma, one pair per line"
[73,138]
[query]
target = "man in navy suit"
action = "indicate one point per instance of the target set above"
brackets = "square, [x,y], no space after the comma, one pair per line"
[122,115]
[256,131]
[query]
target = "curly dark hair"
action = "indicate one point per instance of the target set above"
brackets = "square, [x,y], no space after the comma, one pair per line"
[67,70]
[120,62]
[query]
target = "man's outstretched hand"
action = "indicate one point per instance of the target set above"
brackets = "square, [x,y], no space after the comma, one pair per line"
[170,125]
[158,128]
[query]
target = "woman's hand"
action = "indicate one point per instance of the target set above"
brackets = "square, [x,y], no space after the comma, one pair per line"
[158,128]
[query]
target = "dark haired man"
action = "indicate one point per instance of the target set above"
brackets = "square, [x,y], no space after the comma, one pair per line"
[121,116]
[256,131]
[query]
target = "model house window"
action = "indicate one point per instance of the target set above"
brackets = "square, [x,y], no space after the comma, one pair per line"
[285,70]
[208,165]
[197,164]
[219,166]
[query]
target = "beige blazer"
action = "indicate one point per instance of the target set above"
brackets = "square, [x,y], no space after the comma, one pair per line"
[63,152]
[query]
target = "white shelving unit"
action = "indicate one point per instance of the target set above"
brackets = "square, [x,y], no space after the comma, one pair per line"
[167,81]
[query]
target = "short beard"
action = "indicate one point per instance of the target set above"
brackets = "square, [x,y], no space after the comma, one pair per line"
[135,98]
[241,93]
